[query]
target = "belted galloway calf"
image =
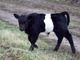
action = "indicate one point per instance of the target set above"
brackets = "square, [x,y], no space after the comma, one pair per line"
[34,23]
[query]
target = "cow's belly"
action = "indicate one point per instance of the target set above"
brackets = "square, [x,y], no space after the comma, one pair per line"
[48,23]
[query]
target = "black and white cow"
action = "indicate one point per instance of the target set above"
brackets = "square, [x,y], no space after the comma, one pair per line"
[35,23]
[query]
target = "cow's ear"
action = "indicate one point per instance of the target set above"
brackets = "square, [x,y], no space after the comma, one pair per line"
[16,16]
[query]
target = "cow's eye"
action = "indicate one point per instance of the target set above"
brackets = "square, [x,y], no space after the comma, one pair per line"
[22,22]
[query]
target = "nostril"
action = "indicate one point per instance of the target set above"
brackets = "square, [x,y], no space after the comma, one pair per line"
[21,29]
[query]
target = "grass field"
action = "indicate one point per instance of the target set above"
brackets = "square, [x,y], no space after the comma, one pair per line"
[14,46]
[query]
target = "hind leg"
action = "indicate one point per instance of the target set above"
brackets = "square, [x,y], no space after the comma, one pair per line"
[69,38]
[60,37]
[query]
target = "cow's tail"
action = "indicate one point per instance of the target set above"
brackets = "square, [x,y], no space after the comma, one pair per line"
[67,16]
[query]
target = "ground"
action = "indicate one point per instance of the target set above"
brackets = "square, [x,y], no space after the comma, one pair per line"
[7,8]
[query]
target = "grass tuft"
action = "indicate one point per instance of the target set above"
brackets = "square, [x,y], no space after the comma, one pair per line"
[14,45]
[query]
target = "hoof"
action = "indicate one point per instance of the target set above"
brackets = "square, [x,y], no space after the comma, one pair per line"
[74,51]
[35,46]
[55,49]
[31,48]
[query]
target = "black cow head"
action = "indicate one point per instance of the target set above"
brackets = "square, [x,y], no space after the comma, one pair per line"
[23,21]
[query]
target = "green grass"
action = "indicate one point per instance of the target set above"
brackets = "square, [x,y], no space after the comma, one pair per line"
[75,28]
[14,46]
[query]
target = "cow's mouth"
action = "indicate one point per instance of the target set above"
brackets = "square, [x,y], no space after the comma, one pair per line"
[21,29]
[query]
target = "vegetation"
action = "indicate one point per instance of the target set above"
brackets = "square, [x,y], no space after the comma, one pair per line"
[74,27]
[14,46]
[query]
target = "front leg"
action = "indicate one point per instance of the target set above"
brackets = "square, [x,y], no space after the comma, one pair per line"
[33,38]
